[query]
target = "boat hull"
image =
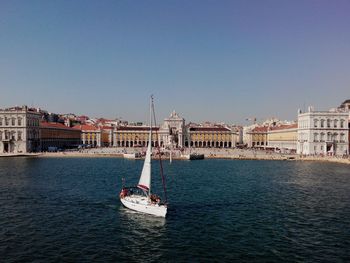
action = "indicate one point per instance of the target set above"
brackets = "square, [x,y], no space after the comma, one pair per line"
[143,207]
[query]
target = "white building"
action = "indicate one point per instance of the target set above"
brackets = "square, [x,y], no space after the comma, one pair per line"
[323,132]
[19,130]
[172,132]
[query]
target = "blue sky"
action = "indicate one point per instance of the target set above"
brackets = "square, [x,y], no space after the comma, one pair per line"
[208,60]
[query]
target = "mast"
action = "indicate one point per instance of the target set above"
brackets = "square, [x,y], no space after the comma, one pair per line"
[145,178]
[150,140]
[159,154]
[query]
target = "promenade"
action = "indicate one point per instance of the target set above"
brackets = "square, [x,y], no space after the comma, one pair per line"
[209,153]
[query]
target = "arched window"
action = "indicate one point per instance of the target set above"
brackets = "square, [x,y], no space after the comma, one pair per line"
[322,137]
[329,136]
[342,123]
[335,123]
[19,136]
[328,123]
[19,121]
[315,137]
[13,121]
[322,123]
[335,137]
[6,121]
[315,123]
[13,137]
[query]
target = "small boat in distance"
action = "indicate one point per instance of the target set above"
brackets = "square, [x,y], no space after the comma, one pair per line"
[139,198]
[193,156]
[132,155]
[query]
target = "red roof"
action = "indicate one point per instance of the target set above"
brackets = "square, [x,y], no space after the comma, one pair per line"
[204,129]
[260,129]
[135,128]
[55,125]
[85,127]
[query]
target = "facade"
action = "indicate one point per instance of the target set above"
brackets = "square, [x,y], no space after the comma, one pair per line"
[323,133]
[214,136]
[58,135]
[19,130]
[135,136]
[169,135]
[258,137]
[247,135]
[283,137]
[90,135]
[172,132]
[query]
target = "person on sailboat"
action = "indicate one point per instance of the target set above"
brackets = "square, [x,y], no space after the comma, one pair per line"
[155,199]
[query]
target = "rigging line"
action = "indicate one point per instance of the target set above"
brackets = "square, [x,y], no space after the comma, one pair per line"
[159,154]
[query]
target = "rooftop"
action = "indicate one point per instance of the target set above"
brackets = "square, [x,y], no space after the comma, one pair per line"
[56,125]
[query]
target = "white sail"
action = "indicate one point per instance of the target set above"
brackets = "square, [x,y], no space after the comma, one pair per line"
[145,179]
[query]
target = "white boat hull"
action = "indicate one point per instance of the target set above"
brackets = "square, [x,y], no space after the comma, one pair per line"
[142,205]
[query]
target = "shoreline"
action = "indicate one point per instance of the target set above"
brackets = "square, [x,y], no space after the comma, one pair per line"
[232,154]
[223,157]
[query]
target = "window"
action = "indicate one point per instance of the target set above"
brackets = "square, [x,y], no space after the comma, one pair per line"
[19,121]
[13,121]
[315,123]
[315,137]
[329,136]
[19,136]
[0,121]
[341,123]
[335,123]
[328,123]
[13,137]
[335,137]
[322,123]
[322,137]
[0,135]
[342,137]
[6,121]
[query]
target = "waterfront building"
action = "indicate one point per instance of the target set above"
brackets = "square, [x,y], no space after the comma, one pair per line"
[258,137]
[213,136]
[323,132]
[283,137]
[172,132]
[90,135]
[169,135]
[135,136]
[247,135]
[19,130]
[57,135]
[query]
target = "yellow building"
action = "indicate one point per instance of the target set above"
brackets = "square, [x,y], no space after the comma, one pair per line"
[218,137]
[283,137]
[90,135]
[258,137]
[135,136]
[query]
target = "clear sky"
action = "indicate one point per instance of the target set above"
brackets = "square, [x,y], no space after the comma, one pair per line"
[209,60]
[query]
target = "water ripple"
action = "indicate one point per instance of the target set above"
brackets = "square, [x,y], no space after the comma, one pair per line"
[67,210]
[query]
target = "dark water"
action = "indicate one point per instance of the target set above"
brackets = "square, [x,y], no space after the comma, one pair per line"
[55,210]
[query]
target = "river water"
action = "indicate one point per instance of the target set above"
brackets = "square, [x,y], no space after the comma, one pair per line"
[68,210]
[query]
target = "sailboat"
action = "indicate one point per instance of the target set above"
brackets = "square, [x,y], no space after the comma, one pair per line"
[139,198]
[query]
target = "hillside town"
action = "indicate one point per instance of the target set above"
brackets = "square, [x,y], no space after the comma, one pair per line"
[313,133]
